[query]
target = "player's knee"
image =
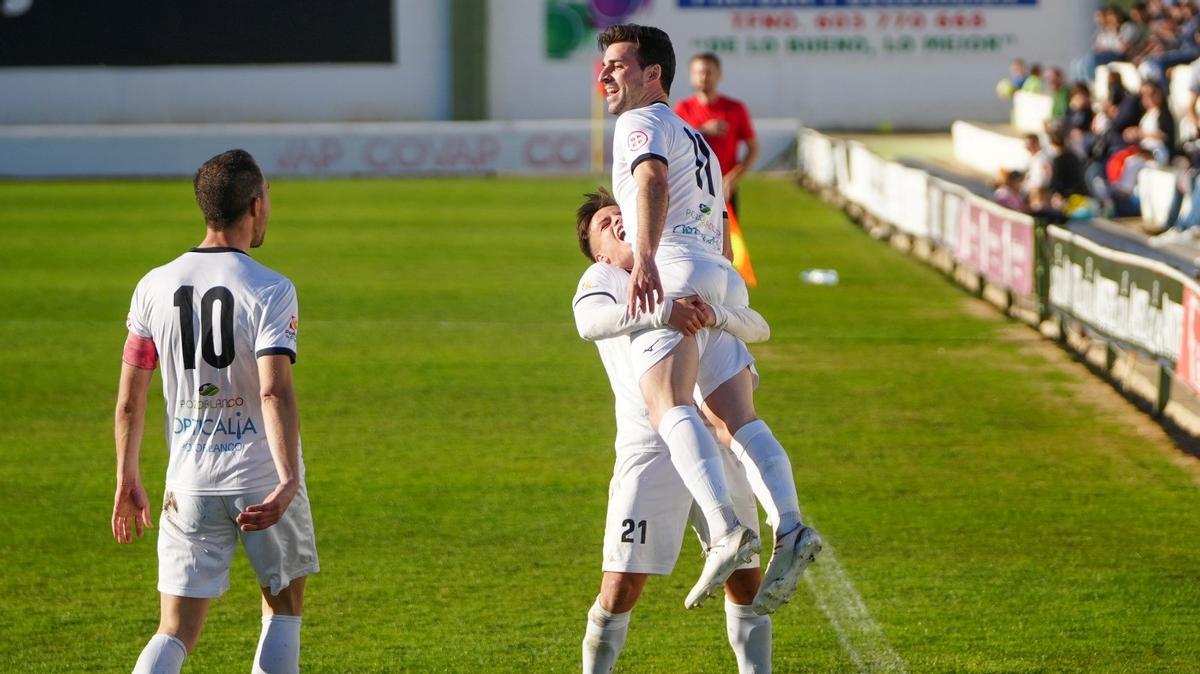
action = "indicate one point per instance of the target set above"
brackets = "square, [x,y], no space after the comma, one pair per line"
[289,601]
[742,586]
[188,634]
[619,594]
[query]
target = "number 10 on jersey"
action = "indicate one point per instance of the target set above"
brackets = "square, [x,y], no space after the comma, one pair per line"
[217,295]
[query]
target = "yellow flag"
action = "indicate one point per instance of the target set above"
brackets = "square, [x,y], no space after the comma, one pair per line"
[741,254]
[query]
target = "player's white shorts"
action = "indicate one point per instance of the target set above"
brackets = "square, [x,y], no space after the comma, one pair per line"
[716,281]
[198,536]
[649,506]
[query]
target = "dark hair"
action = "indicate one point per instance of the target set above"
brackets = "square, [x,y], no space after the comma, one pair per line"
[707,56]
[653,47]
[593,202]
[225,186]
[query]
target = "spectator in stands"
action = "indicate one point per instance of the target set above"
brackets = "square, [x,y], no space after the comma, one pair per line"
[724,122]
[1118,192]
[1155,130]
[1114,40]
[1017,72]
[1066,171]
[1079,119]
[1055,86]
[1186,49]
[1110,129]
[1163,38]
[1033,83]
[1037,177]
[1008,191]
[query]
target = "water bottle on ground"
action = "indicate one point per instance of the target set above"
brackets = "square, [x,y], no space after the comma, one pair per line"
[820,277]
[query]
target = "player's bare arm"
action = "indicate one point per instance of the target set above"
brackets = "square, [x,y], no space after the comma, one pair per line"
[282,420]
[645,287]
[131,507]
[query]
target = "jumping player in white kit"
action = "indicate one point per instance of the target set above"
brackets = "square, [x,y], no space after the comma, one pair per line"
[224,329]
[648,505]
[667,183]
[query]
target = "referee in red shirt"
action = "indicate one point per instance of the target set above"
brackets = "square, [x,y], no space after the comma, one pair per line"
[724,122]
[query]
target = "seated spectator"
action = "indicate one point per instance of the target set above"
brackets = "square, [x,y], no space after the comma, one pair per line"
[1155,130]
[1079,119]
[1163,38]
[1066,171]
[1119,194]
[1008,191]
[1055,86]
[1186,49]
[1114,40]
[1017,72]
[1112,123]
[1037,177]
[1033,83]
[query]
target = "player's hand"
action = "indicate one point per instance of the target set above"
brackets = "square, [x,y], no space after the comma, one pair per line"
[131,512]
[263,515]
[710,316]
[714,127]
[687,315]
[645,288]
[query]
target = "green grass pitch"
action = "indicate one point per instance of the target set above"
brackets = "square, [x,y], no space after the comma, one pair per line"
[993,511]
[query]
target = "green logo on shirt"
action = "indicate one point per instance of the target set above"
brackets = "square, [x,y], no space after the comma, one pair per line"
[209,390]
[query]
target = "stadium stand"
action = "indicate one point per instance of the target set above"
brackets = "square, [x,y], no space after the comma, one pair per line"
[1102,284]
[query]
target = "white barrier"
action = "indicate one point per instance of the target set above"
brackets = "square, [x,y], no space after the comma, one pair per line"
[1156,189]
[988,151]
[383,149]
[816,158]
[1031,111]
[994,242]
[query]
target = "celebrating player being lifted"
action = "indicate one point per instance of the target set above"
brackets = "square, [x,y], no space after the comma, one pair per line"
[224,327]
[648,504]
[667,184]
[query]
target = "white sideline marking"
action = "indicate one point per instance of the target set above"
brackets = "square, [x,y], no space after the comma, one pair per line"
[861,636]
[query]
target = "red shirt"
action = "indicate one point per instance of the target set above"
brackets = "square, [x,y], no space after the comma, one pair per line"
[728,110]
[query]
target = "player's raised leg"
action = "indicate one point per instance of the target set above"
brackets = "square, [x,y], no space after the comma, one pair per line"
[608,620]
[668,388]
[279,643]
[180,622]
[770,474]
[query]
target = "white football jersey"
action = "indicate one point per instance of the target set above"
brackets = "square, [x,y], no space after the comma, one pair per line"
[634,431]
[211,313]
[696,205]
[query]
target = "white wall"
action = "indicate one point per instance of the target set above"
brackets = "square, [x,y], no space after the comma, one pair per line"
[917,89]
[414,88]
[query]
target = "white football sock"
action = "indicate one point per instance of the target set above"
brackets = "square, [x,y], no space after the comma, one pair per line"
[603,639]
[770,474]
[750,637]
[278,645]
[163,654]
[697,458]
